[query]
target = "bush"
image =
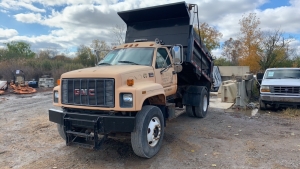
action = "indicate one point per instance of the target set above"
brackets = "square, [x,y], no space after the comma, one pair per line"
[35,68]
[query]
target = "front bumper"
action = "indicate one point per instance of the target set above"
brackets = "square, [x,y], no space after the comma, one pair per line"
[105,124]
[284,99]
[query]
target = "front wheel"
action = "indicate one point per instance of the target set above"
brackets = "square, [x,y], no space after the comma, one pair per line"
[262,105]
[147,138]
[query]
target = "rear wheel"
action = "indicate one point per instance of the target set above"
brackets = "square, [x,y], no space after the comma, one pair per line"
[199,111]
[146,140]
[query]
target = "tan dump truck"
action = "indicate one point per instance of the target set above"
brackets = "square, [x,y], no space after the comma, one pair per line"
[138,85]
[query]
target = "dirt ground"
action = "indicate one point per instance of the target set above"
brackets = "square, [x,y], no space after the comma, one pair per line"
[224,139]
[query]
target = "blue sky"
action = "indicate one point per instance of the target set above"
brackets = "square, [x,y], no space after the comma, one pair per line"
[63,25]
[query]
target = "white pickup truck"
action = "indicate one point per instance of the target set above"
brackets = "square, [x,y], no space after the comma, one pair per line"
[280,87]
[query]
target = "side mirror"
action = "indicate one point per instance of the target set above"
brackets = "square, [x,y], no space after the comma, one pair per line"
[177,54]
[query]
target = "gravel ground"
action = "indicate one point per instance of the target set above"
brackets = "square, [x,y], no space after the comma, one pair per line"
[224,139]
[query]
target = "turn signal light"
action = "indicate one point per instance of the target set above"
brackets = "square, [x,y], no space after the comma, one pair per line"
[58,81]
[130,82]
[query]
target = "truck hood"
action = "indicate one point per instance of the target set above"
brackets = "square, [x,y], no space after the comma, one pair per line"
[106,71]
[280,82]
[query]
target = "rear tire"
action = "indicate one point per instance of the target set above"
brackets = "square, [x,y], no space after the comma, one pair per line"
[147,138]
[61,131]
[201,110]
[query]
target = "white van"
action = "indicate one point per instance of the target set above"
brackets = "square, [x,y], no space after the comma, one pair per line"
[46,82]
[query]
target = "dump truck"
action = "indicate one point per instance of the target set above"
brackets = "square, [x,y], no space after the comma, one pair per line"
[137,87]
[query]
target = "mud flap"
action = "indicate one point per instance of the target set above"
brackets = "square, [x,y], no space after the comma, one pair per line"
[192,95]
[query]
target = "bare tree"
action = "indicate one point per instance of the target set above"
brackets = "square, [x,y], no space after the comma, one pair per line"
[232,50]
[274,49]
[100,48]
[118,32]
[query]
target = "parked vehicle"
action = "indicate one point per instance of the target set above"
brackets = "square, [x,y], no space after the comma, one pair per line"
[217,79]
[18,84]
[280,87]
[137,86]
[3,86]
[46,82]
[33,83]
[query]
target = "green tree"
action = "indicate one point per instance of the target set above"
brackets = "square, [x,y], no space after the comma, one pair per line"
[85,56]
[222,62]
[19,49]
[3,53]
[210,36]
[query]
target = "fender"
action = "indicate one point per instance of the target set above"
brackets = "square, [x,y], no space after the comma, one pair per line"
[56,88]
[145,90]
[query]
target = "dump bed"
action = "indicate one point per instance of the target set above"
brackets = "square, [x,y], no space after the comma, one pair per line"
[171,24]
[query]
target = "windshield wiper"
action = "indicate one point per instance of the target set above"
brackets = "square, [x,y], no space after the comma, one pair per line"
[104,63]
[126,61]
[292,77]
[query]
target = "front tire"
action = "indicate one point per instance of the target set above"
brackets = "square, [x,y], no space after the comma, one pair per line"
[262,105]
[147,138]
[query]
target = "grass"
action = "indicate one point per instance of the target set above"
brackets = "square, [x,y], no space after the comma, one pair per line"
[291,112]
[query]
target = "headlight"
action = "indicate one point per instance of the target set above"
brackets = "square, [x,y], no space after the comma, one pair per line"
[126,100]
[56,96]
[264,89]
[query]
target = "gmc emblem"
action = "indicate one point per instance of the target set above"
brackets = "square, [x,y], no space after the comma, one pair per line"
[84,92]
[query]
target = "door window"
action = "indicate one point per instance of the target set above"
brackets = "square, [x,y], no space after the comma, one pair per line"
[162,58]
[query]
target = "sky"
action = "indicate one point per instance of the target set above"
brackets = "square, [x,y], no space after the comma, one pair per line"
[63,25]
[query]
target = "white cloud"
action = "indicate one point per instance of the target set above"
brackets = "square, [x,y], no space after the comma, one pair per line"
[286,18]
[81,21]
[7,33]
[15,5]
[3,11]
[29,17]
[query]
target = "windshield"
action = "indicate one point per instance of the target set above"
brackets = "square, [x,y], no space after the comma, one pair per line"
[283,74]
[134,56]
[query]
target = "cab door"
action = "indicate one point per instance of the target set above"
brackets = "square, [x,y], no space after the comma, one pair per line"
[164,71]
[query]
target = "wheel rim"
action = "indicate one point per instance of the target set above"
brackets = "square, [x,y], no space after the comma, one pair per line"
[205,103]
[154,131]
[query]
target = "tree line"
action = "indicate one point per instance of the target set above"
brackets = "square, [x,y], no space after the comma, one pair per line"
[255,48]
[17,55]
[258,49]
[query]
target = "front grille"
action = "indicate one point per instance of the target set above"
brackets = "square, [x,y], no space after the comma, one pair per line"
[88,92]
[285,89]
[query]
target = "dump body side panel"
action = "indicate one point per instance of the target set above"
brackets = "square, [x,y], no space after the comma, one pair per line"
[171,24]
